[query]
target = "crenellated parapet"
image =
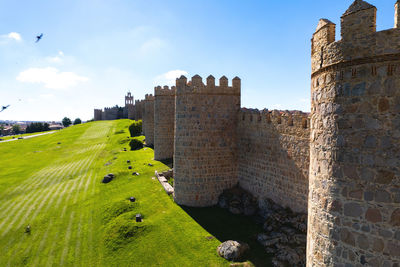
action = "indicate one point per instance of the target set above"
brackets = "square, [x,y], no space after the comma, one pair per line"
[164,91]
[360,43]
[296,119]
[196,86]
[149,97]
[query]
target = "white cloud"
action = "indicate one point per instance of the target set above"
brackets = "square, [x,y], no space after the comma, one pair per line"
[47,96]
[169,77]
[56,59]
[51,77]
[12,36]
[152,45]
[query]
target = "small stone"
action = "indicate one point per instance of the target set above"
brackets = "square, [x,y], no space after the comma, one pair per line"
[382,196]
[135,173]
[150,164]
[377,245]
[132,199]
[373,215]
[347,237]
[395,218]
[128,161]
[232,250]
[138,217]
[383,104]
[130,167]
[385,177]
[352,209]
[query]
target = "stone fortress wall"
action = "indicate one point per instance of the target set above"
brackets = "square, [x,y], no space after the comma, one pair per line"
[340,164]
[273,156]
[148,119]
[164,121]
[354,191]
[205,139]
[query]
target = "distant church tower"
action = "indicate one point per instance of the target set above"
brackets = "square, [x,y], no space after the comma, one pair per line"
[129,106]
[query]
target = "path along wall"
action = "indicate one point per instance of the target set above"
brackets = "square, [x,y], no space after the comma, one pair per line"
[273,156]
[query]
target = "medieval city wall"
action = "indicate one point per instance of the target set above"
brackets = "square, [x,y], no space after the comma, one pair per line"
[354,194]
[164,121]
[273,156]
[148,119]
[205,139]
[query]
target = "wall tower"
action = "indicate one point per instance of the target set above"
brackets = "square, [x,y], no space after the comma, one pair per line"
[164,122]
[129,106]
[354,195]
[205,139]
[148,119]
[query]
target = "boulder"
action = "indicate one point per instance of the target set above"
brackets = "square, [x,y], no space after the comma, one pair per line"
[232,250]
[108,178]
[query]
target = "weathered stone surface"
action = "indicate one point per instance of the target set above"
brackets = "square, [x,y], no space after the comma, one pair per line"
[354,154]
[232,250]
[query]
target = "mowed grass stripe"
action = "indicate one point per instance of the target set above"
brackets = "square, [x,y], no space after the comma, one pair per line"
[82,163]
[69,231]
[24,201]
[29,205]
[13,201]
[24,185]
[44,238]
[67,238]
[51,255]
[83,215]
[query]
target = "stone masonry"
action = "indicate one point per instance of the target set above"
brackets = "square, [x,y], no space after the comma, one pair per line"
[205,139]
[164,121]
[148,119]
[341,163]
[354,193]
[273,156]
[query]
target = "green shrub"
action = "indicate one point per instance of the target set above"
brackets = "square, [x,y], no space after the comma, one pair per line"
[135,144]
[136,128]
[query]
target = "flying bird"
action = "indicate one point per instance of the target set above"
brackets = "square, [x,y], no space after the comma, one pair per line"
[4,107]
[39,37]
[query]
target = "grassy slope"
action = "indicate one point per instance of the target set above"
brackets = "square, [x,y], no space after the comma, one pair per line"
[57,190]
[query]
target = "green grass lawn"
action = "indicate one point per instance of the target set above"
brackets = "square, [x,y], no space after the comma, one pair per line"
[78,221]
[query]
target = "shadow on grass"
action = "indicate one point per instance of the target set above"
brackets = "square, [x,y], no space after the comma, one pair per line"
[225,226]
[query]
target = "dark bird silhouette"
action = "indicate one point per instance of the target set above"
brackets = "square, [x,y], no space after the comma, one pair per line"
[39,37]
[4,107]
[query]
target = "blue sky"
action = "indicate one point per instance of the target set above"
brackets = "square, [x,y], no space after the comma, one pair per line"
[94,51]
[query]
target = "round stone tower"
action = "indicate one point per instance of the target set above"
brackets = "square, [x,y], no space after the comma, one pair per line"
[148,119]
[354,186]
[205,139]
[164,120]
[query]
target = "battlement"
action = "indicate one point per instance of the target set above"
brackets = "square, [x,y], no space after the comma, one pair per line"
[359,38]
[295,118]
[196,86]
[149,97]
[164,91]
